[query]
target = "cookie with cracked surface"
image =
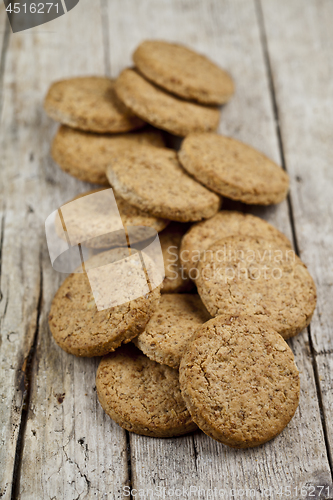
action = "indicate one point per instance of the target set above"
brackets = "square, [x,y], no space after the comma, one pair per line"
[175,279]
[89,103]
[85,155]
[233,169]
[225,223]
[142,396]
[239,381]
[183,72]
[83,221]
[164,110]
[171,328]
[252,276]
[153,180]
[79,327]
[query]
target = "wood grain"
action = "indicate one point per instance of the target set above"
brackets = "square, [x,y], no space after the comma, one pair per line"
[69,446]
[4,31]
[303,80]
[53,431]
[228,32]
[300,42]
[20,286]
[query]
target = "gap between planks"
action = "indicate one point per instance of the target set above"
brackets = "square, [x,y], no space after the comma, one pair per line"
[27,374]
[43,177]
[26,370]
[261,24]
[197,452]
[296,454]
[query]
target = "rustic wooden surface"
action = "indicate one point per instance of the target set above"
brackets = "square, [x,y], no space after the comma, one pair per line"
[302,68]
[56,442]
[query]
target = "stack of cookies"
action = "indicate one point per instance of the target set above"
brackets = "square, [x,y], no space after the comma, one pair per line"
[210,352]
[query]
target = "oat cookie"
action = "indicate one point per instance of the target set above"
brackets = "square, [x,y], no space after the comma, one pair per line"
[183,72]
[76,324]
[80,224]
[171,328]
[153,180]
[252,276]
[239,380]
[233,169]
[225,223]
[141,395]
[86,156]
[164,110]
[89,103]
[176,279]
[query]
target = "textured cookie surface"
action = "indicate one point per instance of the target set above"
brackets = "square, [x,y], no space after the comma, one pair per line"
[141,395]
[89,103]
[225,223]
[176,279]
[153,180]
[239,381]
[252,276]
[97,214]
[163,110]
[86,156]
[183,72]
[171,327]
[233,169]
[80,328]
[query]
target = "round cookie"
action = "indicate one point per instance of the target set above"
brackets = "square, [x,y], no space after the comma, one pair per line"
[76,324]
[252,276]
[130,216]
[89,103]
[86,156]
[239,381]
[225,223]
[141,395]
[163,110]
[183,72]
[233,169]
[171,328]
[175,279]
[153,180]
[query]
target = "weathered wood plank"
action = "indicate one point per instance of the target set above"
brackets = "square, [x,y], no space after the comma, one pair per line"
[300,46]
[79,450]
[4,483]
[300,42]
[19,291]
[69,446]
[325,371]
[228,32]
[3,17]
[3,47]
[58,459]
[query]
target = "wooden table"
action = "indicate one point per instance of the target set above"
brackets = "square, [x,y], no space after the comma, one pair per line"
[56,442]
